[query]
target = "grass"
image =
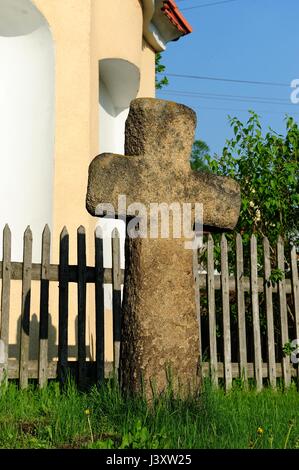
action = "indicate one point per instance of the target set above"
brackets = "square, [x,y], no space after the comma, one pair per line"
[103,418]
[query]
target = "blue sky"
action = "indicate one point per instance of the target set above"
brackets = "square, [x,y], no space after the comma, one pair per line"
[255,40]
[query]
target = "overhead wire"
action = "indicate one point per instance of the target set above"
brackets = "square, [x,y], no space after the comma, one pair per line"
[223,97]
[230,80]
[208,5]
[238,110]
[240,98]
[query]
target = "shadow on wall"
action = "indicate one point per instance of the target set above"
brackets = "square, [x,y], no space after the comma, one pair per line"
[14,349]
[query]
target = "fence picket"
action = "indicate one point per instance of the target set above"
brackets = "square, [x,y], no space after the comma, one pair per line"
[283,313]
[44,309]
[63,305]
[255,314]
[5,303]
[295,294]
[81,259]
[25,309]
[269,314]
[116,296]
[295,287]
[81,274]
[241,310]
[197,307]
[212,312]
[226,314]
[99,301]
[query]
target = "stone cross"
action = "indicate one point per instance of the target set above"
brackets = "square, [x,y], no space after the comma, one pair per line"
[160,333]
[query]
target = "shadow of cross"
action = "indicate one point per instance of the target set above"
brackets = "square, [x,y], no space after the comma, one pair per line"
[159,324]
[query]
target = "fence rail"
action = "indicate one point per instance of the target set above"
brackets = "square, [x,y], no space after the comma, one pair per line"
[245,321]
[248,322]
[64,273]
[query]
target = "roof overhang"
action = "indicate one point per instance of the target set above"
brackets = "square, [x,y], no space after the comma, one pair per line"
[162,23]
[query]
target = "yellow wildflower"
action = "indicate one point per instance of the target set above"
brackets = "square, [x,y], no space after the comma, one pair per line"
[260,431]
[87,412]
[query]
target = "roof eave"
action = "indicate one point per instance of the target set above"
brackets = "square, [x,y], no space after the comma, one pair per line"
[175,16]
[163,22]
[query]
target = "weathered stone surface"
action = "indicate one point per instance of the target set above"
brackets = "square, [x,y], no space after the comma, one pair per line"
[163,132]
[160,329]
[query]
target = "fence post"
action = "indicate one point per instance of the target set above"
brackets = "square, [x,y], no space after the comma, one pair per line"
[241,310]
[44,309]
[295,287]
[255,314]
[226,314]
[5,304]
[295,293]
[25,312]
[81,260]
[116,296]
[269,313]
[63,305]
[197,307]
[99,302]
[283,312]
[212,313]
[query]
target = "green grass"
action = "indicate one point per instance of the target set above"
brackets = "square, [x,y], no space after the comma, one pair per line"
[52,418]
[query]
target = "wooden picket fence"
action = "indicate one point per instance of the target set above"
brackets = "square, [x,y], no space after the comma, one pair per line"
[80,274]
[258,357]
[230,306]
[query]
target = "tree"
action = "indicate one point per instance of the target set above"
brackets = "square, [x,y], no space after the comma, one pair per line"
[267,169]
[160,68]
[200,156]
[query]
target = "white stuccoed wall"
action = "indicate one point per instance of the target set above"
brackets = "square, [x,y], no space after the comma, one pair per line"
[26,123]
[119,84]
[112,124]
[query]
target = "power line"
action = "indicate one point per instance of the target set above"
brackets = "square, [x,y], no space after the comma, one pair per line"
[229,98]
[208,5]
[230,80]
[239,101]
[200,93]
[266,111]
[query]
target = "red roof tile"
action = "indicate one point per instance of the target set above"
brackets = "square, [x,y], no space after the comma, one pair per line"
[175,16]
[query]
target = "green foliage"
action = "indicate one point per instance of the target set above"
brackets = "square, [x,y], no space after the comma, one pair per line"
[288,348]
[106,444]
[51,418]
[200,156]
[140,437]
[160,68]
[275,276]
[267,169]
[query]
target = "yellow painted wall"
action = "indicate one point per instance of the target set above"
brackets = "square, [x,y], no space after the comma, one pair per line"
[84,32]
[69,21]
[147,71]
